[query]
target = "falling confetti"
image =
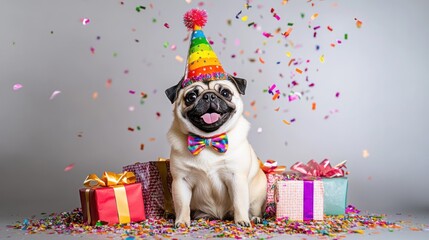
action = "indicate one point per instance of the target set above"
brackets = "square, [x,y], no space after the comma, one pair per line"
[365,153]
[131,108]
[166,25]
[313,106]
[94,95]
[244,18]
[142,146]
[286,122]
[322,58]
[139,8]
[179,58]
[358,23]
[259,130]
[54,94]
[17,86]
[69,167]
[108,83]
[314,16]
[85,21]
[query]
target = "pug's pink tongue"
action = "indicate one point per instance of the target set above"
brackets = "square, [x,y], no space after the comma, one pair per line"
[210,118]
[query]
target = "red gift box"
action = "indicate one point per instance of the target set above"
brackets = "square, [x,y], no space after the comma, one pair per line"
[112,201]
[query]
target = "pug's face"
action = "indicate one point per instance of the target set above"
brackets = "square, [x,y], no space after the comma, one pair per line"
[208,108]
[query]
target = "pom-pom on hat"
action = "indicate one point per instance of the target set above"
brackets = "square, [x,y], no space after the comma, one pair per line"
[202,63]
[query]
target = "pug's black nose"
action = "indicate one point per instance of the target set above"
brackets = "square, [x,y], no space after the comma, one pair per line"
[209,97]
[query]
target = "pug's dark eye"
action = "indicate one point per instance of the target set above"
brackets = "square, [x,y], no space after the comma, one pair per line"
[190,97]
[225,93]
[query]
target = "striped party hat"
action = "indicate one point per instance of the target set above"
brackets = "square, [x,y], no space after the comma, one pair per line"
[202,63]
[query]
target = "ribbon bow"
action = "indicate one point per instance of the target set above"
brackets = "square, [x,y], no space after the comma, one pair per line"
[109,179]
[196,143]
[270,167]
[322,169]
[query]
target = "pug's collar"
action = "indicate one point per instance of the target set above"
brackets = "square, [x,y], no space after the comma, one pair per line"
[197,143]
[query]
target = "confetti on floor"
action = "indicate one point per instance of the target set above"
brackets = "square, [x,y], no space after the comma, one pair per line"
[71,223]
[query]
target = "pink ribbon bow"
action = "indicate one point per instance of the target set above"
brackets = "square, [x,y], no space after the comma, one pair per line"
[322,169]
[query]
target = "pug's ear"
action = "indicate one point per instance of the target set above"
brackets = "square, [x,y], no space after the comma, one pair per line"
[239,83]
[173,91]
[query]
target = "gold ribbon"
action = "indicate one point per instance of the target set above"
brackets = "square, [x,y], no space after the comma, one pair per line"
[116,181]
[109,179]
[88,212]
[168,201]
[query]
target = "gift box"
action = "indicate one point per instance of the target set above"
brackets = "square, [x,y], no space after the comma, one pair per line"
[334,182]
[114,198]
[335,197]
[273,173]
[155,178]
[299,200]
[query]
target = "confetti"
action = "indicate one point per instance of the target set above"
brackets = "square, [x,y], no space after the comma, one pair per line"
[261,60]
[131,108]
[294,96]
[286,122]
[322,58]
[69,167]
[313,106]
[287,33]
[330,28]
[166,25]
[365,153]
[288,54]
[346,36]
[142,146]
[267,35]
[132,92]
[130,129]
[108,83]
[85,21]
[55,93]
[179,58]
[337,94]
[139,8]
[92,49]
[358,23]
[259,130]
[238,15]
[314,16]
[17,86]
[71,223]
[94,95]
[298,70]
[244,18]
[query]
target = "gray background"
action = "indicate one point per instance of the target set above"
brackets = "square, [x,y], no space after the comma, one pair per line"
[380,71]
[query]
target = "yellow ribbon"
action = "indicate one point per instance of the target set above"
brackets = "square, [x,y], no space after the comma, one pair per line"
[109,179]
[116,181]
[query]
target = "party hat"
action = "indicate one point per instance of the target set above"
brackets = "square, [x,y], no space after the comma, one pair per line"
[202,62]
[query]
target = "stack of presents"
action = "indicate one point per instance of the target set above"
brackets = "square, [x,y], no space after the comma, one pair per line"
[305,192]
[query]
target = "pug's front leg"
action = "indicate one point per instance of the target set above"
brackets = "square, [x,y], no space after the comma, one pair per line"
[238,189]
[182,199]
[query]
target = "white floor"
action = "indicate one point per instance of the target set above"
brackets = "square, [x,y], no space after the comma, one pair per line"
[407,221]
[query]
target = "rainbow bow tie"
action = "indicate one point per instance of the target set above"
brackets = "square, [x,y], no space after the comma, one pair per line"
[196,143]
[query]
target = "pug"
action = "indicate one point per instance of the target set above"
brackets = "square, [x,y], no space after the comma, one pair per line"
[215,170]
